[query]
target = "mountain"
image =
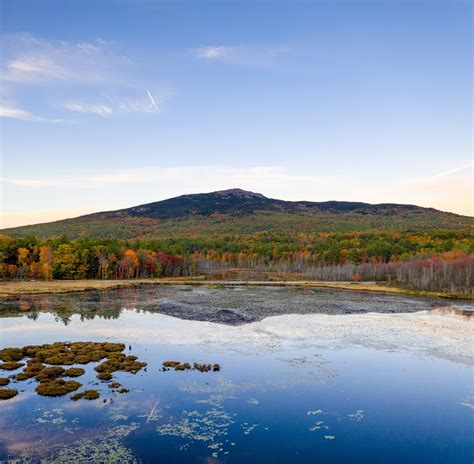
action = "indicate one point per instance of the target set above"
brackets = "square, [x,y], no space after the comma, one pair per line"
[237,211]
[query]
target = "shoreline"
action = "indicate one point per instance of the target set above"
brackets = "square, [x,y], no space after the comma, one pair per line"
[15,289]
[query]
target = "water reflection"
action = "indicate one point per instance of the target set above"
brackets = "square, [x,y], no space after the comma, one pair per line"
[232,305]
[328,383]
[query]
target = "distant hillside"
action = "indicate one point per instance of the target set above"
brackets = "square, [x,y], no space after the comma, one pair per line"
[237,211]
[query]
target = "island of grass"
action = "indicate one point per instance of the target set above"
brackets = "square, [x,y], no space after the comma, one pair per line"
[7,393]
[86,394]
[179,366]
[44,364]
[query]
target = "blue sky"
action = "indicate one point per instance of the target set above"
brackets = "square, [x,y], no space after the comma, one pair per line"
[106,105]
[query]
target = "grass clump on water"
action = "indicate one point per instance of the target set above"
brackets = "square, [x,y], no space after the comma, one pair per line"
[7,393]
[178,366]
[45,365]
[74,372]
[58,387]
[87,394]
[11,365]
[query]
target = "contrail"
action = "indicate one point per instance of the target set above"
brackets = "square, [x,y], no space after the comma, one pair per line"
[150,96]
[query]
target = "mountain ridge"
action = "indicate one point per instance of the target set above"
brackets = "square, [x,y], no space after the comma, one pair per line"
[241,211]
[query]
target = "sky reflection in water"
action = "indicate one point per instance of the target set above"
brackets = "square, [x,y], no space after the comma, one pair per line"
[288,401]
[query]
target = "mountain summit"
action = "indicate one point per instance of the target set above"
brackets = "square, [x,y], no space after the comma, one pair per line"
[240,211]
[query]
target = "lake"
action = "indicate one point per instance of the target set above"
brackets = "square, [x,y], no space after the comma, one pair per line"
[305,375]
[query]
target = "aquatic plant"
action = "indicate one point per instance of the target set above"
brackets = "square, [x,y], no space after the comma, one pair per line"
[178,366]
[7,393]
[49,373]
[58,387]
[11,365]
[87,394]
[202,367]
[112,365]
[11,354]
[74,372]
[114,385]
[123,390]
[46,361]
[4,381]
[170,364]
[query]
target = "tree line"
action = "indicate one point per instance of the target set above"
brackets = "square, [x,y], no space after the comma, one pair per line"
[85,259]
[434,260]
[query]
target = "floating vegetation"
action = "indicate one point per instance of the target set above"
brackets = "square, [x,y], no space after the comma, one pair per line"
[11,354]
[58,387]
[74,372]
[356,416]
[87,394]
[178,366]
[49,374]
[207,367]
[120,363]
[55,417]
[249,428]
[45,365]
[123,390]
[11,365]
[115,385]
[210,427]
[102,447]
[7,393]
[318,425]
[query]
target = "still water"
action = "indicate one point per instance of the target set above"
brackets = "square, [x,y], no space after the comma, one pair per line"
[306,376]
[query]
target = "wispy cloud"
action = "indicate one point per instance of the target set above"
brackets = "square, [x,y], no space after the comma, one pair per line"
[251,177]
[101,110]
[114,106]
[29,59]
[18,113]
[463,169]
[107,81]
[211,53]
[262,57]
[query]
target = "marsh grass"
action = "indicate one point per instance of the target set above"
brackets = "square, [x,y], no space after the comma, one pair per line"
[7,393]
[45,365]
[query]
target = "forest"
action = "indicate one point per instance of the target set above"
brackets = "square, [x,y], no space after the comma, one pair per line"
[432,260]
